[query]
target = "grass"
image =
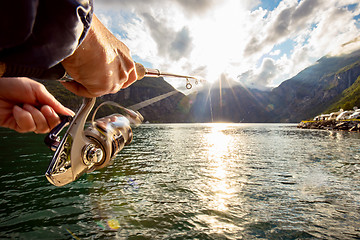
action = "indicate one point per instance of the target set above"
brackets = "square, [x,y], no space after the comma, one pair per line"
[349,98]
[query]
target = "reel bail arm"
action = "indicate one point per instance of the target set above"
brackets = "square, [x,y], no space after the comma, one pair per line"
[85,150]
[52,140]
[80,150]
[66,165]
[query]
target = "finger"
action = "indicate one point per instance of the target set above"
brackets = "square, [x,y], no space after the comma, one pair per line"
[50,115]
[117,87]
[79,89]
[24,120]
[39,119]
[45,98]
[131,79]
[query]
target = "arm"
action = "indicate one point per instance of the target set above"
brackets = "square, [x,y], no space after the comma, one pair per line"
[36,34]
[102,64]
[65,29]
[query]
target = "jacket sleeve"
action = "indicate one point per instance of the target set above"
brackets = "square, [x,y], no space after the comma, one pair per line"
[39,34]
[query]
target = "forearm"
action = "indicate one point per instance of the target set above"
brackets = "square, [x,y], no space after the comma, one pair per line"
[101,65]
[38,34]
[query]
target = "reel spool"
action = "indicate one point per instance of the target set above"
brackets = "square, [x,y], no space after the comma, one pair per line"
[109,135]
[80,151]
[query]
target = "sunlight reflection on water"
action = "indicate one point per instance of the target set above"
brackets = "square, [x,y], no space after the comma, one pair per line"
[192,181]
[218,146]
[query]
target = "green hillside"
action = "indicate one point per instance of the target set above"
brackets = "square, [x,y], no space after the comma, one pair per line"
[66,97]
[349,98]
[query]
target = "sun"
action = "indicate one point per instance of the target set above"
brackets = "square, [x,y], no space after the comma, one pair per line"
[218,44]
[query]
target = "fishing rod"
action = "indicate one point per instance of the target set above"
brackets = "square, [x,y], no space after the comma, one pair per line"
[58,73]
[142,72]
[148,72]
[81,150]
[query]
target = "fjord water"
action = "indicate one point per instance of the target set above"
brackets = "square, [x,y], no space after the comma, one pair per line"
[191,181]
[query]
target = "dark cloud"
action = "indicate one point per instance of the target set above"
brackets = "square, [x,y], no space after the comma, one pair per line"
[244,77]
[170,43]
[252,46]
[159,32]
[287,22]
[190,7]
[267,73]
[305,9]
[281,26]
[196,6]
[182,44]
[263,78]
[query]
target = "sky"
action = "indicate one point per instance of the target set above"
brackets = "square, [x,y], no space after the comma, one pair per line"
[258,43]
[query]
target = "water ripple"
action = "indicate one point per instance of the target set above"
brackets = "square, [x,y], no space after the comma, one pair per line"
[184,181]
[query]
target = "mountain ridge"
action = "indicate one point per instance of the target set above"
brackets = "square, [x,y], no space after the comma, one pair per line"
[309,93]
[331,83]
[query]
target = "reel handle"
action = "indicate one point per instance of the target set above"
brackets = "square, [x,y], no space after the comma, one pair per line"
[52,140]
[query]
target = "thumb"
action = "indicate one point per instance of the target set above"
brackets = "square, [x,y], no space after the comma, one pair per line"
[78,89]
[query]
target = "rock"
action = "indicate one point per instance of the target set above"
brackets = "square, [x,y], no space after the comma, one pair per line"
[331,125]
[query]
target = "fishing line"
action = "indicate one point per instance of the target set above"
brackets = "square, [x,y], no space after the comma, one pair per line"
[133,116]
[150,101]
[85,150]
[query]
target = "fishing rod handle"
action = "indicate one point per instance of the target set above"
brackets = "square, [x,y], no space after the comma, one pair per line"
[54,73]
[14,70]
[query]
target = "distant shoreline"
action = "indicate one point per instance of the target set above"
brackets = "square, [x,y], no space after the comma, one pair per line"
[352,125]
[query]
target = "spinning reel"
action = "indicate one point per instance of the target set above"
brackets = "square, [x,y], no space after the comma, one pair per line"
[82,151]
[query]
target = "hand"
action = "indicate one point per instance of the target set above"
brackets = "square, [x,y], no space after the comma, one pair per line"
[20,99]
[102,64]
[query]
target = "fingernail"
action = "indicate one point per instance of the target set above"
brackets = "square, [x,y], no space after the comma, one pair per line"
[47,110]
[27,107]
[70,112]
[17,108]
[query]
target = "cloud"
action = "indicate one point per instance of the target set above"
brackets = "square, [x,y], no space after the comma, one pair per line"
[268,71]
[261,78]
[317,27]
[170,44]
[182,45]
[159,32]
[305,9]
[348,47]
[238,38]
[287,19]
[275,53]
[188,7]
[197,7]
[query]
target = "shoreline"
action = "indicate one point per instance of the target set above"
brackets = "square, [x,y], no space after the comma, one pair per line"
[352,125]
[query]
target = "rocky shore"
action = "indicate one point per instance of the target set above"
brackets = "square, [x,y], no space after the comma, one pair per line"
[349,125]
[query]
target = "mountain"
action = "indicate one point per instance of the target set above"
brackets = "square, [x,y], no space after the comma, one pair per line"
[327,85]
[171,109]
[348,99]
[174,108]
[315,89]
[332,83]
[223,103]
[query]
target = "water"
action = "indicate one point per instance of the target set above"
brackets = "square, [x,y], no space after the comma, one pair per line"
[191,181]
